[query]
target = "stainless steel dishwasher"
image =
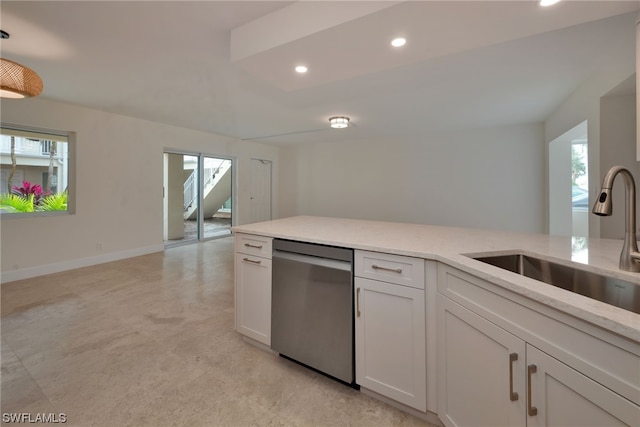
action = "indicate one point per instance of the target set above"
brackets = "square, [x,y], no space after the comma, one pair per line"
[312,307]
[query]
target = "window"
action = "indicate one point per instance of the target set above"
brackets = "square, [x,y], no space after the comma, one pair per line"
[46,146]
[579,174]
[36,173]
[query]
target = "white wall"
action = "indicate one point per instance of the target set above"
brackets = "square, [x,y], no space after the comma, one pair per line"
[119,188]
[487,178]
[559,192]
[618,147]
[584,104]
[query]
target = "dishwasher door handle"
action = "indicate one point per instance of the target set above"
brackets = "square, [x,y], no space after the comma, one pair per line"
[312,260]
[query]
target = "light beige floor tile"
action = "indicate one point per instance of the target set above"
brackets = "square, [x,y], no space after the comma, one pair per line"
[21,296]
[43,328]
[149,341]
[19,392]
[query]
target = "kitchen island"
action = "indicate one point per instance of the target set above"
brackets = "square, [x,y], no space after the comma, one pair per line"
[472,307]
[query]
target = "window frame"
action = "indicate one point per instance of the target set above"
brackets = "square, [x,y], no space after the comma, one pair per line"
[71,169]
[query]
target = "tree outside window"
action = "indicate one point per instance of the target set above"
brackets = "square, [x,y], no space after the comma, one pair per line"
[579,176]
[578,163]
[35,173]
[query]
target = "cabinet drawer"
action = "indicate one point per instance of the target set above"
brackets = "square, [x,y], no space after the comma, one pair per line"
[397,269]
[253,245]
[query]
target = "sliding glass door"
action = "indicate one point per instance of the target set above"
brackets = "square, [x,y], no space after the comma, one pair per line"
[197,197]
[216,190]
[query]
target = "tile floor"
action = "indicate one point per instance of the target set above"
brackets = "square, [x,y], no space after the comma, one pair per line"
[149,341]
[213,227]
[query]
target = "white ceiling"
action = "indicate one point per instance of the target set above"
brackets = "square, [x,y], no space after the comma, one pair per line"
[227,66]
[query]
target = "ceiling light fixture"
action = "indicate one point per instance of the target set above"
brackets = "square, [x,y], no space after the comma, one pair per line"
[548,2]
[16,80]
[301,69]
[339,122]
[398,42]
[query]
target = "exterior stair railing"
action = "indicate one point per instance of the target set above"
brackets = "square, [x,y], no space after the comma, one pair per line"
[191,185]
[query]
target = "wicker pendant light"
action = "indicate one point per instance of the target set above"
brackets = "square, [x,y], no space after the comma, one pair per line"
[18,81]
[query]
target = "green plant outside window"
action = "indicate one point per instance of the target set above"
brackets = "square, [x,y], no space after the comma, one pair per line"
[34,171]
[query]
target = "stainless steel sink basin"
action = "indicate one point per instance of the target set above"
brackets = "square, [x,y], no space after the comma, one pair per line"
[610,290]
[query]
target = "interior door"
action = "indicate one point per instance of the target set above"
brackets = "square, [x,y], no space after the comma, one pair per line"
[260,197]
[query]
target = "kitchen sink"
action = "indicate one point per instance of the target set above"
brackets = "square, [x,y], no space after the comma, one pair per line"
[610,290]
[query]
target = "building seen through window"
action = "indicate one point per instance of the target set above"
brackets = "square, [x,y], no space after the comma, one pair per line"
[35,173]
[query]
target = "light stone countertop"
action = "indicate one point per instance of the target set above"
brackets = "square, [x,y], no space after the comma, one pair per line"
[450,244]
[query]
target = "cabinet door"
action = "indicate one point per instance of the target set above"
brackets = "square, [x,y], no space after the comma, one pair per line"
[480,370]
[390,341]
[562,396]
[253,297]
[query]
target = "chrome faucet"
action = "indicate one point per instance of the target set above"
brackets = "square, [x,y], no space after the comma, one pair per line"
[630,257]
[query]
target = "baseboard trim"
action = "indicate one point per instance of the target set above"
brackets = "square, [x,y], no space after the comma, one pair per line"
[29,272]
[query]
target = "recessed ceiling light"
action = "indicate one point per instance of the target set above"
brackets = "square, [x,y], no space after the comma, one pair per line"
[548,2]
[398,42]
[301,69]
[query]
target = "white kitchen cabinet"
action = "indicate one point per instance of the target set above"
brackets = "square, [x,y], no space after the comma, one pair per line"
[390,328]
[253,287]
[249,244]
[401,270]
[477,375]
[492,374]
[562,396]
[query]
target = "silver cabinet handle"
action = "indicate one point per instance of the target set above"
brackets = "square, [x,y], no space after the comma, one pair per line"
[252,261]
[249,245]
[531,410]
[358,302]
[393,270]
[513,396]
